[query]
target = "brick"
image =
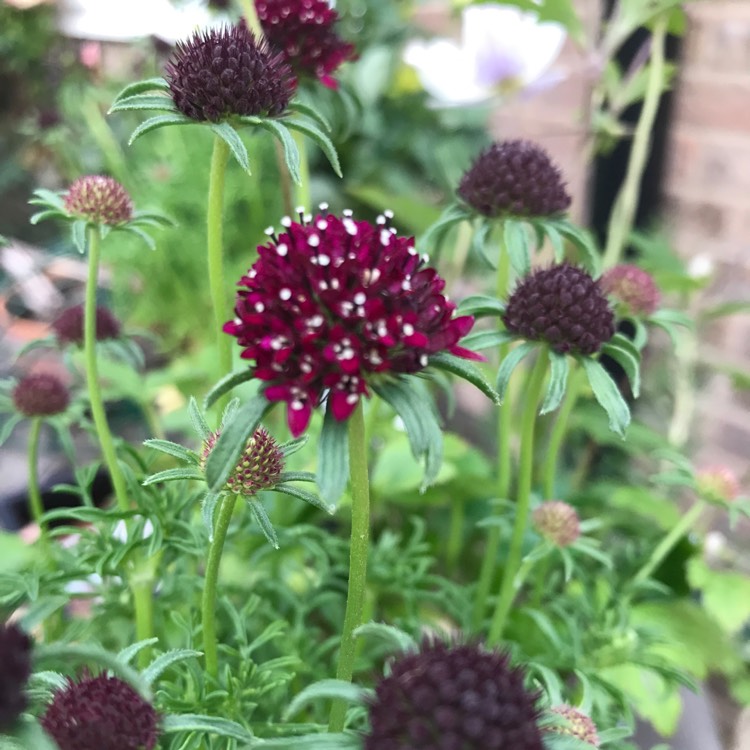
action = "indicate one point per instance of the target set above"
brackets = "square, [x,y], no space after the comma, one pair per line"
[710,102]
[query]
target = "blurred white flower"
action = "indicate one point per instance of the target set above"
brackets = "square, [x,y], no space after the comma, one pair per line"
[700,266]
[120,531]
[502,51]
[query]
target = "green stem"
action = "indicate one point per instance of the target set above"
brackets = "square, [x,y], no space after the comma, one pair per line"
[217,283]
[679,530]
[355,600]
[523,503]
[208,605]
[143,604]
[285,180]
[251,17]
[623,212]
[92,374]
[455,532]
[559,431]
[302,193]
[35,496]
[504,465]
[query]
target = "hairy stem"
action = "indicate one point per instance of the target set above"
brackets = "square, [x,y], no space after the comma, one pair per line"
[302,193]
[36,507]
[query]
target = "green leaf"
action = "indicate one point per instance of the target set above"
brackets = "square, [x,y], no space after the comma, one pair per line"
[327,690]
[434,234]
[308,497]
[627,357]
[481,306]
[555,239]
[159,121]
[78,235]
[312,113]
[27,735]
[292,446]
[414,405]
[557,382]
[172,475]
[466,370]
[147,239]
[208,511]
[208,724]
[735,307]
[323,141]
[260,515]
[291,152]
[232,138]
[153,218]
[584,242]
[509,363]
[198,420]
[226,384]
[321,741]
[6,429]
[517,245]
[48,199]
[144,101]
[608,395]
[130,652]
[487,339]
[398,639]
[675,317]
[159,665]
[140,87]
[51,213]
[480,239]
[333,458]
[231,443]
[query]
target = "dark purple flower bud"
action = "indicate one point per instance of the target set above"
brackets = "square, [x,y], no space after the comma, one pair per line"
[101,713]
[68,327]
[40,395]
[452,697]
[579,725]
[514,178]
[259,468]
[100,200]
[223,72]
[305,31]
[15,656]
[563,307]
[632,287]
[333,302]
[557,521]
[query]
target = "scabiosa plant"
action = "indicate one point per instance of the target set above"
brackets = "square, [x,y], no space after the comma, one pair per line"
[557,521]
[41,394]
[15,654]
[305,31]
[101,713]
[451,697]
[632,288]
[577,724]
[68,326]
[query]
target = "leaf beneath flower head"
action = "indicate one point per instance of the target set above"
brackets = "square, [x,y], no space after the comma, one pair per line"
[312,113]
[291,152]
[259,512]
[517,245]
[323,141]
[608,395]
[333,457]
[232,138]
[144,101]
[466,370]
[509,364]
[140,87]
[159,121]
[557,382]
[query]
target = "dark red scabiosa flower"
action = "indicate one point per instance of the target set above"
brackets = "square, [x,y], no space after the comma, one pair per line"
[15,656]
[304,31]
[40,395]
[68,327]
[452,697]
[514,178]
[101,200]
[633,288]
[578,725]
[333,302]
[223,72]
[562,306]
[557,521]
[101,713]
[259,468]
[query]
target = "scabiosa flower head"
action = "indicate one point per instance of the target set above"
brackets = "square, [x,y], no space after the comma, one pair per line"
[101,713]
[223,72]
[579,725]
[514,178]
[333,302]
[718,483]
[557,521]
[562,306]
[101,200]
[259,468]
[452,697]
[632,287]
[40,395]
[15,655]
[304,31]
[68,327]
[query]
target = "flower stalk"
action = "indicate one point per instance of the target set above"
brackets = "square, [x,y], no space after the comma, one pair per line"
[36,507]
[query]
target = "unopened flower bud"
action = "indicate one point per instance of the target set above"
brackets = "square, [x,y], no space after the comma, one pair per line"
[579,725]
[68,327]
[40,395]
[632,287]
[717,484]
[100,200]
[557,521]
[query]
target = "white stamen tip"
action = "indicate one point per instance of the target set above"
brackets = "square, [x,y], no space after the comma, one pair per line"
[282,249]
[313,240]
[285,294]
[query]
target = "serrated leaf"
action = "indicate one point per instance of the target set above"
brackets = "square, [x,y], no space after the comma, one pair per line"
[306,496]
[198,420]
[144,101]
[466,370]
[487,339]
[147,239]
[208,511]
[608,395]
[480,240]
[396,637]
[435,232]
[140,87]
[481,305]
[209,724]
[291,152]
[327,690]
[230,410]
[51,213]
[159,121]
[159,665]
[311,112]
[173,449]
[48,198]
[627,358]
[130,652]
[297,476]
[78,235]
[557,382]
[509,363]
[230,444]
[226,384]
[172,475]
[556,240]
[323,141]
[261,517]
[292,446]
[518,245]
[333,458]
[583,241]
[236,145]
